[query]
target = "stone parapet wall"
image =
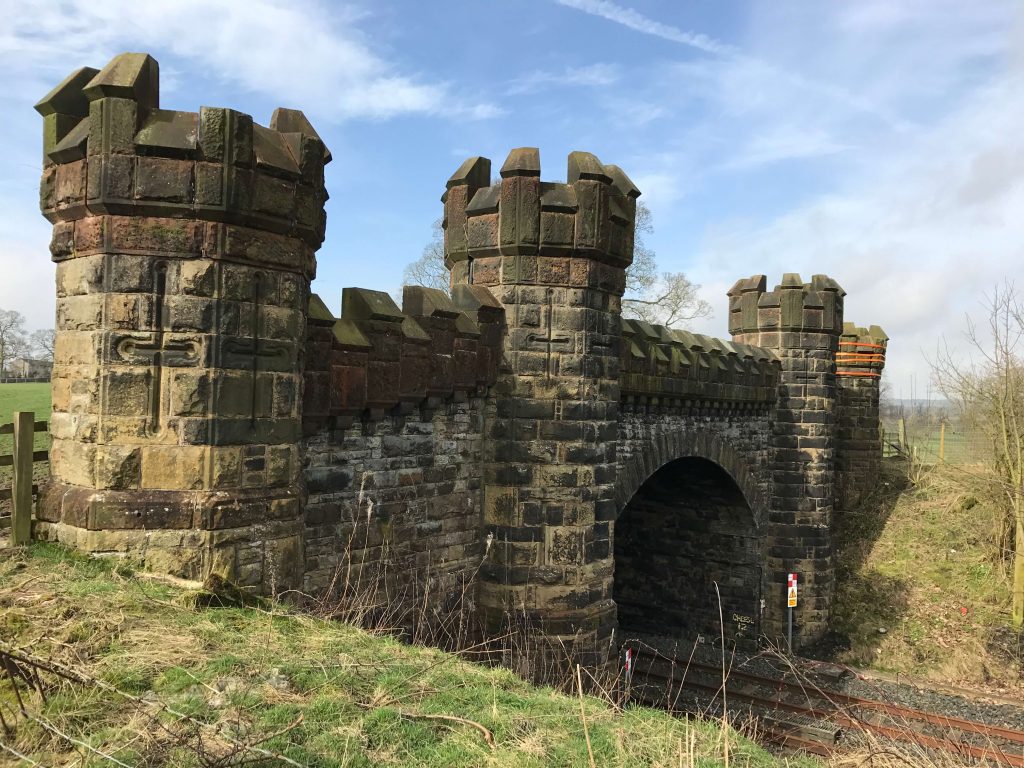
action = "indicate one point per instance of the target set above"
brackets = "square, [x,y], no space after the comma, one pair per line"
[393,515]
[859,365]
[665,365]
[376,357]
[393,420]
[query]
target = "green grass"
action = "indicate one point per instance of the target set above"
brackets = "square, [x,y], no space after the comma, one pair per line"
[33,397]
[24,397]
[917,561]
[318,692]
[957,446]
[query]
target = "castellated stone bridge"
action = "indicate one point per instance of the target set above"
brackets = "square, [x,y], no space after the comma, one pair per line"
[515,446]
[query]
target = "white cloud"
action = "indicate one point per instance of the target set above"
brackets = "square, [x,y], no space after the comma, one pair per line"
[300,52]
[916,239]
[893,133]
[636,21]
[786,141]
[743,60]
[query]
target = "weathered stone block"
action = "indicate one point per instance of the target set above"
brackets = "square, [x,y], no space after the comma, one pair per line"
[173,467]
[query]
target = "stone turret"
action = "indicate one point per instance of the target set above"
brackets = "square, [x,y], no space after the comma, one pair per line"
[859,366]
[802,323]
[184,245]
[555,256]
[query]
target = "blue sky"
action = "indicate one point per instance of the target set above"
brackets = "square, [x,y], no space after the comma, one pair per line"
[877,141]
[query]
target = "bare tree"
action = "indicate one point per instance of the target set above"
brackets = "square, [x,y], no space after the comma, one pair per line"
[989,393]
[41,342]
[666,298]
[429,269]
[12,336]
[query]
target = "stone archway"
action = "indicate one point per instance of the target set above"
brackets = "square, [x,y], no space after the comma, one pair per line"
[644,456]
[688,528]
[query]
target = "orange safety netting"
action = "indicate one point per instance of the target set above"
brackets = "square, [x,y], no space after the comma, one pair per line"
[853,357]
[860,344]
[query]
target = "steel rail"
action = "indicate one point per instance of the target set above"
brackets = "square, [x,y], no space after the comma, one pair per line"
[834,713]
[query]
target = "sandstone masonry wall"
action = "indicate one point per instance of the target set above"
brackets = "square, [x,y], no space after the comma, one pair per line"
[393,513]
[394,447]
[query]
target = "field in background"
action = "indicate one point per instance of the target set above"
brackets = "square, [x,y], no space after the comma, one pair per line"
[953,444]
[24,397]
[33,397]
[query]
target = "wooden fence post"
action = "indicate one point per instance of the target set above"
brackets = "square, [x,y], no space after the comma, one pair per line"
[902,427]
[21,488]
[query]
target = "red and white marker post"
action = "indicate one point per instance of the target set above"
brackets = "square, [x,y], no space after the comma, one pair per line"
[791,591]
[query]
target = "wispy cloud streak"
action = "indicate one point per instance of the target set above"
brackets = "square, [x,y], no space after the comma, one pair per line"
[633,19]
[636,21]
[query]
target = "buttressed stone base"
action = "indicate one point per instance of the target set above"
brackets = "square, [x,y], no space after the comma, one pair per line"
[253,540]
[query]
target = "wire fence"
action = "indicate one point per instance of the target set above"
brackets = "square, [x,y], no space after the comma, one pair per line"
[931,442]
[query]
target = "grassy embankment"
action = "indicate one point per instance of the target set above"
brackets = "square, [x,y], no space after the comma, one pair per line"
[920,590]
[195,683]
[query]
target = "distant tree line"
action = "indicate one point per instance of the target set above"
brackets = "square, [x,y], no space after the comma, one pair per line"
[16,341]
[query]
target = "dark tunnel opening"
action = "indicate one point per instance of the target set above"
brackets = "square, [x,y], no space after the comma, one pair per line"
[686,529]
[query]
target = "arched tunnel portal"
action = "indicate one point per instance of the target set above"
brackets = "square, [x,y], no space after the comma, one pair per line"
[687,529]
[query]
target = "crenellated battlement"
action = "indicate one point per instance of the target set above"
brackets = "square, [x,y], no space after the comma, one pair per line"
[377,357]
[526,231]
[110,150]
[664,365]
[792,306]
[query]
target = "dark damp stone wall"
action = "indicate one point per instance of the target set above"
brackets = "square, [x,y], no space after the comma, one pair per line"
[686,529]
[393,513]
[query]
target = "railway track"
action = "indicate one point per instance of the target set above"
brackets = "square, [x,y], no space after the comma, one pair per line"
[811,715]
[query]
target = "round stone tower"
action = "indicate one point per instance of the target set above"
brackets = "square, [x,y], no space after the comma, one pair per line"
[184,245]
[555,257]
